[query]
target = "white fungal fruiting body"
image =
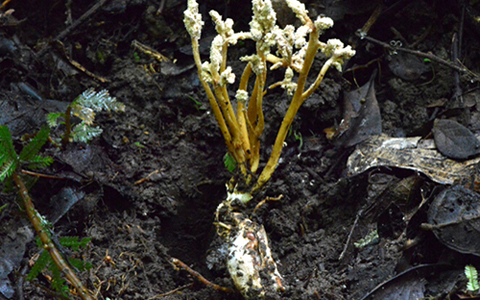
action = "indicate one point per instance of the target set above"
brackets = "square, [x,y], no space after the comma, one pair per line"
[193,20]
[335,49]
[250,261]
[241,96]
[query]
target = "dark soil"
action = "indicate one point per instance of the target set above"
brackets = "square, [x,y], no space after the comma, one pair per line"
[148,187]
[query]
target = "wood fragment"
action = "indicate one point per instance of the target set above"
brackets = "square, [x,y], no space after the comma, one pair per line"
[199,277]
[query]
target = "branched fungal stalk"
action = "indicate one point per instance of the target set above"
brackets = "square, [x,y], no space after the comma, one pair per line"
[242,128]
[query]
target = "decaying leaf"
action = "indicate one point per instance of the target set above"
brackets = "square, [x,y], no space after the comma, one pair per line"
[410,284]
[454,217]
[361,116]
[407,66]
[12,250]
[454,140]
[410,153]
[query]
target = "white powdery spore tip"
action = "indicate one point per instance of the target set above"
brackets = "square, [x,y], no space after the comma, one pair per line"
[264,20]
[332,46]
[206,75]
[300,35]
[216,53]
[241,96]
[287,83]
[224,28]
[227,77]
[323,23]
[299,9]
[256,62]
[193,20]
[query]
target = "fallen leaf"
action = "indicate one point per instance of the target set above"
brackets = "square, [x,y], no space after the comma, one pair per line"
[454,140]
[361,116]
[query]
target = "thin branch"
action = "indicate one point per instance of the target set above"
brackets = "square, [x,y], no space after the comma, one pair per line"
[35,219]
[199,277]
[430,56]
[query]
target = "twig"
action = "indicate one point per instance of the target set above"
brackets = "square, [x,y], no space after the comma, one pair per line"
[160,8]
[420,54]
[148,177]
[265,201]
[199,277]
[48,245]
[171,292]
[149,51]
[40,175]
[76,64]
[75,23]
[456,50]
[342,255]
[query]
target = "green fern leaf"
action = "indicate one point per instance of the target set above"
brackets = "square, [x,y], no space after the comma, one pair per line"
[52,119]
[86,114]
[6,142]
[83,243]
[99,101]
[58,283]
[39,265]
[73,243]
[472,276]
[35,144]
[7,168]
[40,162]
[8,156]
[70,242]
[84,133]
[80,265]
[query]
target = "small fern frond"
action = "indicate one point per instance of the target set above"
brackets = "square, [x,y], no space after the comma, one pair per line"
[80,265]
[99,101]
[8,156]
[84,133]
[58,283]
[69,241]
[52,119]
[7,168]
[86,114]
[35,144]
[73,243]
[40,162]
[39,265]
[83,243]
[472,276]
[6,142]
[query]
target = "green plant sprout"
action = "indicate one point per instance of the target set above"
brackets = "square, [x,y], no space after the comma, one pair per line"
[298,137]
[229,162]
[136,57]
[295,50]
[11,164]
[84,107]
[139,145]
[472,277]
[45,262]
